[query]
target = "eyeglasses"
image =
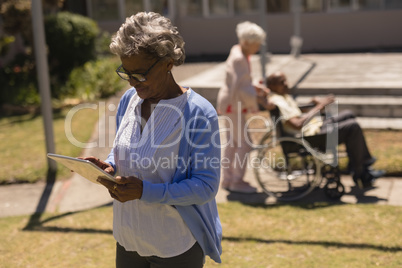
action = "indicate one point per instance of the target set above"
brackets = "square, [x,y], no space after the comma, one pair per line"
[140,77]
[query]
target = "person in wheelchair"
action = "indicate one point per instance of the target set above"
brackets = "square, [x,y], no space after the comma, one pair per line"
[294,121]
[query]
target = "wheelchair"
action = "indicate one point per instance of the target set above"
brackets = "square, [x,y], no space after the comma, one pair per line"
[289,168]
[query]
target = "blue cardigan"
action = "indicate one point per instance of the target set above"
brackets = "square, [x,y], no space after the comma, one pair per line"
[196,181]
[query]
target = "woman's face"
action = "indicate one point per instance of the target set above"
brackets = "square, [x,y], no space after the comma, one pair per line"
[250,48]
[154,88]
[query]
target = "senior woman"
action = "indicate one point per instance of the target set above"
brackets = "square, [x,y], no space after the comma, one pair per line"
[166,154]
[237,97]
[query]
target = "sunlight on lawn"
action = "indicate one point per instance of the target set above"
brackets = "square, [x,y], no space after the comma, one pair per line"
[253,236]
[24,153]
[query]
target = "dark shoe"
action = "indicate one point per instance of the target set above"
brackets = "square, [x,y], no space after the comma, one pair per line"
[376,173]
[367,177]
[370,162]
[366,184]
[362,184]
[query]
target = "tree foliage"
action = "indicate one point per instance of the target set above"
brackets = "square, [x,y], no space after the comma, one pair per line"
[16,15]
[71,42]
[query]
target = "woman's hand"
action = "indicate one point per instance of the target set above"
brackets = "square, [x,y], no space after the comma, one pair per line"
[124,189]
[262,90]
[103,165]
[263,99]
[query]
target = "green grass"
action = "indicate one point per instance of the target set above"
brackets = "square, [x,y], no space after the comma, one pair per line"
[320,235]
[386,145]
[23,149]
[24,159]
[312,236]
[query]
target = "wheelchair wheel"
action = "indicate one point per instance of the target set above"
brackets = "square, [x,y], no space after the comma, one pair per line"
[286,176]
[333,189]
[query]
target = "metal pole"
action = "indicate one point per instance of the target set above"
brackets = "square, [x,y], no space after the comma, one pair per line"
[122,10]
[205,8]
[147,5]
[296,41]
[172,10]
[296,18]
[263,49]
[43,77]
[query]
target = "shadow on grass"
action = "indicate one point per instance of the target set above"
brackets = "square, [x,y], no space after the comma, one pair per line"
[315,199]
[28,116]
[314,243]
[34,220]
[35,223]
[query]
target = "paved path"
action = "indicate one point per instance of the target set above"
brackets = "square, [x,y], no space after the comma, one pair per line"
[77,194]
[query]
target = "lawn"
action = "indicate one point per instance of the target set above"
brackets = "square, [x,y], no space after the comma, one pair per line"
[320,235]
[24,158]
[23,149]
[317,235]
[386,145]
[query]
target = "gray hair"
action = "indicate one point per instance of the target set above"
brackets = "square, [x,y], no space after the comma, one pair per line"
[251,32]
[149,33]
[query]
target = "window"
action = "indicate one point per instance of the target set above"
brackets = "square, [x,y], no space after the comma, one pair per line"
[104,10]
[133,7]
[392,4]
[219,7]
[75,6]
[312,5]
[278,6]
[246,6]
[370,4]
[190,8]
[340,5]
[160,7]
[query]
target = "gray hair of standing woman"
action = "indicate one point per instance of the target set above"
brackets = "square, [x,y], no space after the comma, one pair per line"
[250,32]
[149,33]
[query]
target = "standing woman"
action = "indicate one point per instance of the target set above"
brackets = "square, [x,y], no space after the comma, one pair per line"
[166,154]
[237,97]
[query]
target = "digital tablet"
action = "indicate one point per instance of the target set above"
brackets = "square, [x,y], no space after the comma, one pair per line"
[85,168]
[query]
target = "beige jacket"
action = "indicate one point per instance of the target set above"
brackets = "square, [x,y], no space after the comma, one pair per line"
[238,91]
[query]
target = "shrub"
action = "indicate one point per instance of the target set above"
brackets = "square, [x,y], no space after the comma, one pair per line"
[16,16]
[102,44]
[5,42]
[71,42]
[18,82]
[95,79]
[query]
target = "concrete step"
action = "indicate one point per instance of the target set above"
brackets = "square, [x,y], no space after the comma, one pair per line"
[359,90]
[373,91]
[365,106]
[353,74]
[362,106]
[380,123]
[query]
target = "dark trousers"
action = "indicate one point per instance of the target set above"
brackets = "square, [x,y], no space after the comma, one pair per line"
[194,258]
[351,134]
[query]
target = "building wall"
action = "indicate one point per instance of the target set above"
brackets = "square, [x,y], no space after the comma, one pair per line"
[366,30]
[321,32]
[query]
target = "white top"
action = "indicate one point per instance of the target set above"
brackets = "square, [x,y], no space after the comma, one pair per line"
[289,109]
[151,229]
